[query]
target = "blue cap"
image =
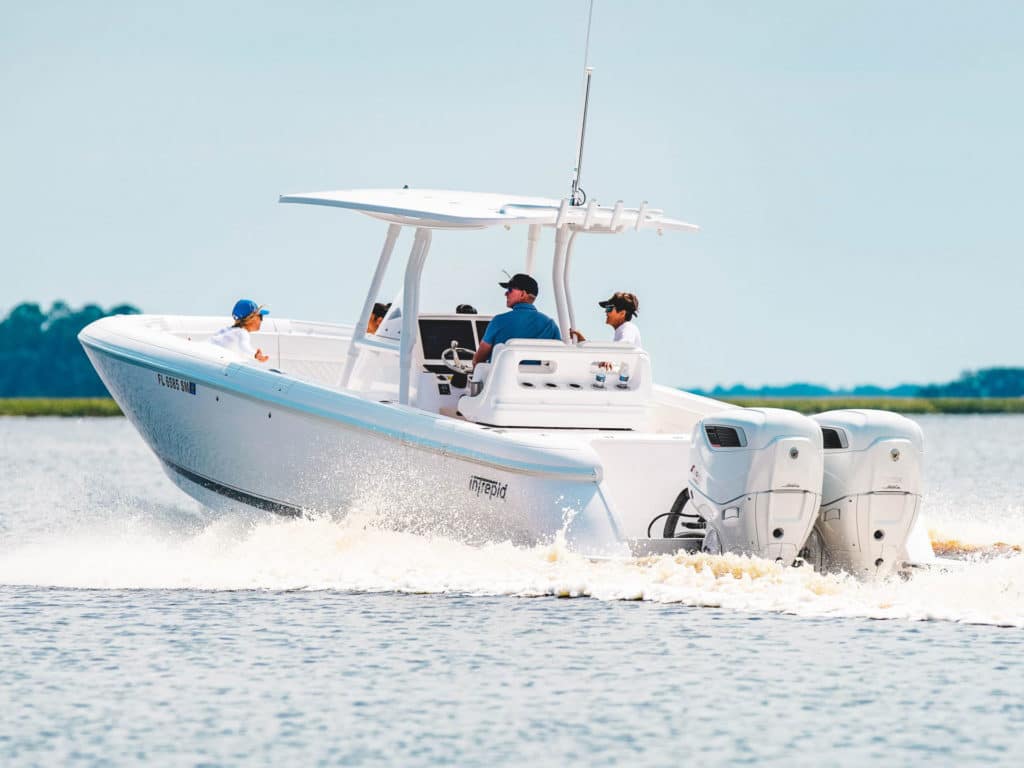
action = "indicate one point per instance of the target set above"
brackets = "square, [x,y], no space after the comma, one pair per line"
[245,307]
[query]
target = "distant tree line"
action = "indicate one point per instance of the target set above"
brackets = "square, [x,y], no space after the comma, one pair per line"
[987,382]
[40,355]
[803,389]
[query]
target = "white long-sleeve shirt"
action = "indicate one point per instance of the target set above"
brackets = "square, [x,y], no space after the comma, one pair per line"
[629,333]
[236,340]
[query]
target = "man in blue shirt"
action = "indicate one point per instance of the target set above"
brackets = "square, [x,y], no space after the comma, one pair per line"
[523,322]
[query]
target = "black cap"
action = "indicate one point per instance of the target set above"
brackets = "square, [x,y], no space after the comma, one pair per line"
[522,282]
[465,309]
[622,300]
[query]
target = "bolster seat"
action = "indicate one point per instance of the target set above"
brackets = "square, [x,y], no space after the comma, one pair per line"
[543,383]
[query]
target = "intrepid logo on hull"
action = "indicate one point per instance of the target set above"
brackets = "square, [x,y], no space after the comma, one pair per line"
[492,489]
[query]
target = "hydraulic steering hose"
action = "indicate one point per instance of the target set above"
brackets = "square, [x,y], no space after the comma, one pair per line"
[693,524]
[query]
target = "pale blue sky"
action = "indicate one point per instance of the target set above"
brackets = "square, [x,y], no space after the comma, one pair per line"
[857,167]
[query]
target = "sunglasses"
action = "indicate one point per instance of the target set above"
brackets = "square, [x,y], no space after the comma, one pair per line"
[609,310]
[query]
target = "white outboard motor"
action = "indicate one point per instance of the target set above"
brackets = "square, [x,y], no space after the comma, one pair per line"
[871,493]
[756,481]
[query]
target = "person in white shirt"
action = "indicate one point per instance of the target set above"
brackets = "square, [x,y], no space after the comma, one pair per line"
[248,317]
[620,310]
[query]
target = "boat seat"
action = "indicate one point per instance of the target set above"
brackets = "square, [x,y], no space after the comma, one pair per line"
[542,383]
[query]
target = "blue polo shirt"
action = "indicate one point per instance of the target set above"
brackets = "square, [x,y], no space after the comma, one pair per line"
[523,321]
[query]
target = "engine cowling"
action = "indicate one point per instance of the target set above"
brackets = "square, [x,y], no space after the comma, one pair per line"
[871,494]
[756,479]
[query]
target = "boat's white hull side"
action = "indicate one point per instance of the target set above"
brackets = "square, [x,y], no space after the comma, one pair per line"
[226,437]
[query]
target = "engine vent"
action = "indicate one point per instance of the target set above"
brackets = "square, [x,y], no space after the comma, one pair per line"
[724,437]
[833,438]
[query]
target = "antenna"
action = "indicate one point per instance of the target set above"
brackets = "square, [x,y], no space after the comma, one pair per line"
[577,196]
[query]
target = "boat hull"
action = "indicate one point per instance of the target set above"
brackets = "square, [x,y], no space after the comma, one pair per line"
[236,437]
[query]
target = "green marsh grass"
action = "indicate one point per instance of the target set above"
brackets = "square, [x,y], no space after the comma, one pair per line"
[58,406]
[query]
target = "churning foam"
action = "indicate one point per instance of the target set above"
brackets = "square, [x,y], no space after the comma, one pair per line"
[235,553]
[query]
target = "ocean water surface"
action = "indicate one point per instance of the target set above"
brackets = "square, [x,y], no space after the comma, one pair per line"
[135,627]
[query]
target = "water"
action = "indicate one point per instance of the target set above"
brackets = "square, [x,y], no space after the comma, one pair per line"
[133,628]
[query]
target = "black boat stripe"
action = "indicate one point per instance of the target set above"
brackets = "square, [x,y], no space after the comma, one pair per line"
[233,493]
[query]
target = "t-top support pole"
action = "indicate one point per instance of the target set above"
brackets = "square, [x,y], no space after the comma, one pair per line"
[411,309]
[562,238]
[371,298]
[571,313]
[532,236]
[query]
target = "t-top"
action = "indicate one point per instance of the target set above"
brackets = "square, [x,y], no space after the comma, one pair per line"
[523,321]
[234,339]
[629,333]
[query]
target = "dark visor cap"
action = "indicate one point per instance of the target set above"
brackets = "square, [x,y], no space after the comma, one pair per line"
[620,301]
[522,282]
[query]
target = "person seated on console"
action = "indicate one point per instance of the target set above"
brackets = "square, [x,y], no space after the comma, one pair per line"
[248,317]
[524,321]
[376,317]
[619,310]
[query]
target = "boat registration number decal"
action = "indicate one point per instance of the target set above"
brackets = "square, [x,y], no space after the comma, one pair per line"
[181,385]
[492,489]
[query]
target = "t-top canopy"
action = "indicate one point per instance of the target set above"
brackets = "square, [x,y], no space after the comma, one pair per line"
[443,209]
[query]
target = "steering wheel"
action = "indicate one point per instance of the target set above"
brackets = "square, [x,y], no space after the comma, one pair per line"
[454,359]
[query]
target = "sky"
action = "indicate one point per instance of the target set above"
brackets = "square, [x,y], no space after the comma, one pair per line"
[857,168]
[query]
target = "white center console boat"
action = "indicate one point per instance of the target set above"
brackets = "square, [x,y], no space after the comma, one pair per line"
[548,439]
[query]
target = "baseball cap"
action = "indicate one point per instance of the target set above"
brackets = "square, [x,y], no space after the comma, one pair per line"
[245,307]
[522,282]
[622,300]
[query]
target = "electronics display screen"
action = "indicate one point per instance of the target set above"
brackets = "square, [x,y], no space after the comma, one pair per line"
[437,336]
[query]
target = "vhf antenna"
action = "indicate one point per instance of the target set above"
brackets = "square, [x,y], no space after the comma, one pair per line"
[577,196]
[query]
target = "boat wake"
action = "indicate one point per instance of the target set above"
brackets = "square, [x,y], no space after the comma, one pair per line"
[246,553]
[962,550]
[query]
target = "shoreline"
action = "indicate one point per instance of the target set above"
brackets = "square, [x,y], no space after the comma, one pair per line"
[59,406]
[905,405]
[105,406]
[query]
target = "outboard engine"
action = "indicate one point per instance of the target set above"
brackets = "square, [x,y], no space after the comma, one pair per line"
[756,481]
[871,494]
